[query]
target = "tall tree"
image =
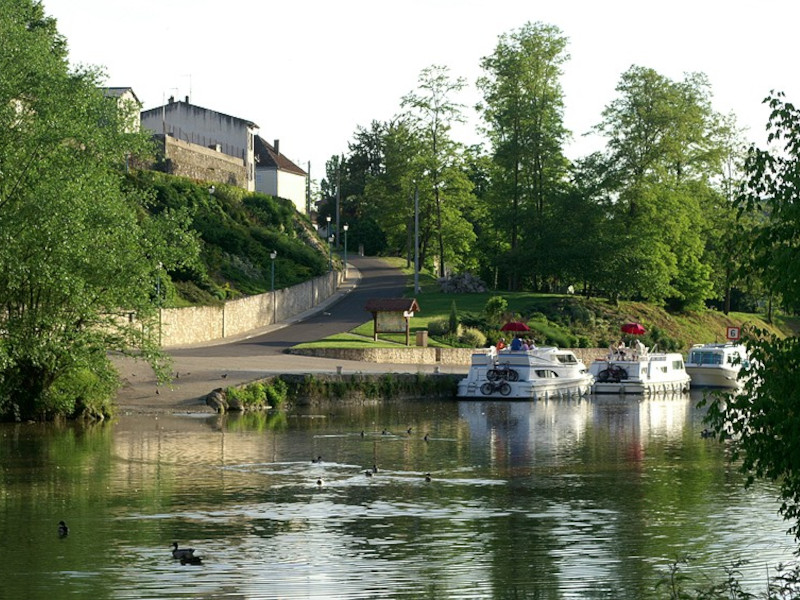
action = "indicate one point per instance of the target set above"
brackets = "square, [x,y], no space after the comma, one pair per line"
[76,251]
[661,144]
[523,107]
[432,112]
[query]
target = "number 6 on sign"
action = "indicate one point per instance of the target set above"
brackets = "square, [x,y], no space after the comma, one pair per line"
[733,333]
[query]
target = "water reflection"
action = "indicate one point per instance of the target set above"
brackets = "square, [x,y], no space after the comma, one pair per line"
[585,498]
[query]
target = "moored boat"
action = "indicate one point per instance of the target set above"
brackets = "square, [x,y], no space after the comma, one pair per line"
[539,373]
[641,372]
[717,365]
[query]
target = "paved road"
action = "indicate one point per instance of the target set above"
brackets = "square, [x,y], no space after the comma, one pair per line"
[201,369]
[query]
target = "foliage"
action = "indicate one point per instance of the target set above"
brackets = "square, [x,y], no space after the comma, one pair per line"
[764,420]
[79,252]
[445,192]
[236,232]
[661,159]
[495,309]
[439,327]
[523,108]
[270,393]
[473,338]
[677,584]
[453,322]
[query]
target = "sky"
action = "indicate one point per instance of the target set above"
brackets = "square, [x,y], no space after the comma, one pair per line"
[310,72]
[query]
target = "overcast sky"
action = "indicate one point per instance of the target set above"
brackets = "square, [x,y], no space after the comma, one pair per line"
[309,72]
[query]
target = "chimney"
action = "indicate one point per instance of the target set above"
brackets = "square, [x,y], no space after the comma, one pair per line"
[171,99]
[277,146]
[187,99]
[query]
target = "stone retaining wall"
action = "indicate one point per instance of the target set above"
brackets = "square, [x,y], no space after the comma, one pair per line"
[199,324]
[424,356]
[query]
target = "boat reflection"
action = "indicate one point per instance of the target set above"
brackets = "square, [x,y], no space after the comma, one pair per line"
[550,432]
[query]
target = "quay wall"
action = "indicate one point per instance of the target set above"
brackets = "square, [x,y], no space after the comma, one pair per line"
[419,355]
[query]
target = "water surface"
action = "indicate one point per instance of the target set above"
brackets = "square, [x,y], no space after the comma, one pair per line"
[590,498]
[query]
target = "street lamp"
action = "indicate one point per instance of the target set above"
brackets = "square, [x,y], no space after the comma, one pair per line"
[272,256]
[330,257]
[345,227]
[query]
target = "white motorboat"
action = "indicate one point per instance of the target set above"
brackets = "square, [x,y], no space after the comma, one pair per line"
[535,374]
[640,372]
[717,365]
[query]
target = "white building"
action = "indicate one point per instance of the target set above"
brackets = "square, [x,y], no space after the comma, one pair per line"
[220,132]
[128,105]
[277,176]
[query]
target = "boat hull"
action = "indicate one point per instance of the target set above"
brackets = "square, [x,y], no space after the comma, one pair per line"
[646,375]
[527,390]
[714,377]
[542,373]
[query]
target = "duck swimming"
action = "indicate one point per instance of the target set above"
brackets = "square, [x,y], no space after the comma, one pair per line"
[182,553]
[63,530]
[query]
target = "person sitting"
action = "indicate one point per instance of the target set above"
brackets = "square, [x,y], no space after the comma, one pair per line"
[501,343]
[621,349]
[516,344]
[525,345]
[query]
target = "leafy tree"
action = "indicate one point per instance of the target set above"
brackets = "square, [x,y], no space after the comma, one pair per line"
[440,172]
[523,108]
[661,143]
[77,253]
[764,421]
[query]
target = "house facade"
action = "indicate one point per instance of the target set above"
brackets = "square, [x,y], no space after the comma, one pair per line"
[211,130]
[277,176]
[128,105]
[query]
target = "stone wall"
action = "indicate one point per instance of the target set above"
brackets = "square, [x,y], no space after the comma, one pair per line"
[406,355]
[198,324]
[198,162]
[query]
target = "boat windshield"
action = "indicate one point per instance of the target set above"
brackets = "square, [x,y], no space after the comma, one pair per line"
[700,357]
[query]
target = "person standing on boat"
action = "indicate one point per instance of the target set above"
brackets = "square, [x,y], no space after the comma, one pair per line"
[641,350]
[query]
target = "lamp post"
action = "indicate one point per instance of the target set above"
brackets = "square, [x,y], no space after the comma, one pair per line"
[330,257]
[345,227]
[272,256]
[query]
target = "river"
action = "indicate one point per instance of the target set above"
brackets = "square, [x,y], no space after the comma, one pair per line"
[590,498]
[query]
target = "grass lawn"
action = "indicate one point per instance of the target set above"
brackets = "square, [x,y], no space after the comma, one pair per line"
[555,319]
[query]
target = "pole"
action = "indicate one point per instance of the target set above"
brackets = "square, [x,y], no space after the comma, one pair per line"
[338,196]
[416,240]
[272,256]
[345,228]
[330,256]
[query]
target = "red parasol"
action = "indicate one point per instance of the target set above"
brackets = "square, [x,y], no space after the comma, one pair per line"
[515,326]
[633,329]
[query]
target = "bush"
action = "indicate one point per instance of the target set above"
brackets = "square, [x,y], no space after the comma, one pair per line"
[276,392]
[473,338]
[453,317]
[439,327]
[495,308]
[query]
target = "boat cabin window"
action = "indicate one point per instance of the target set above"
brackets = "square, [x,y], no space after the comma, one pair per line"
[677,365]
[546,373]
[565,359]
[705,358]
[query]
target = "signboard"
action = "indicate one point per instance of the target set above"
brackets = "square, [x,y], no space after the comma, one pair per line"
[734,333]
[390,322]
